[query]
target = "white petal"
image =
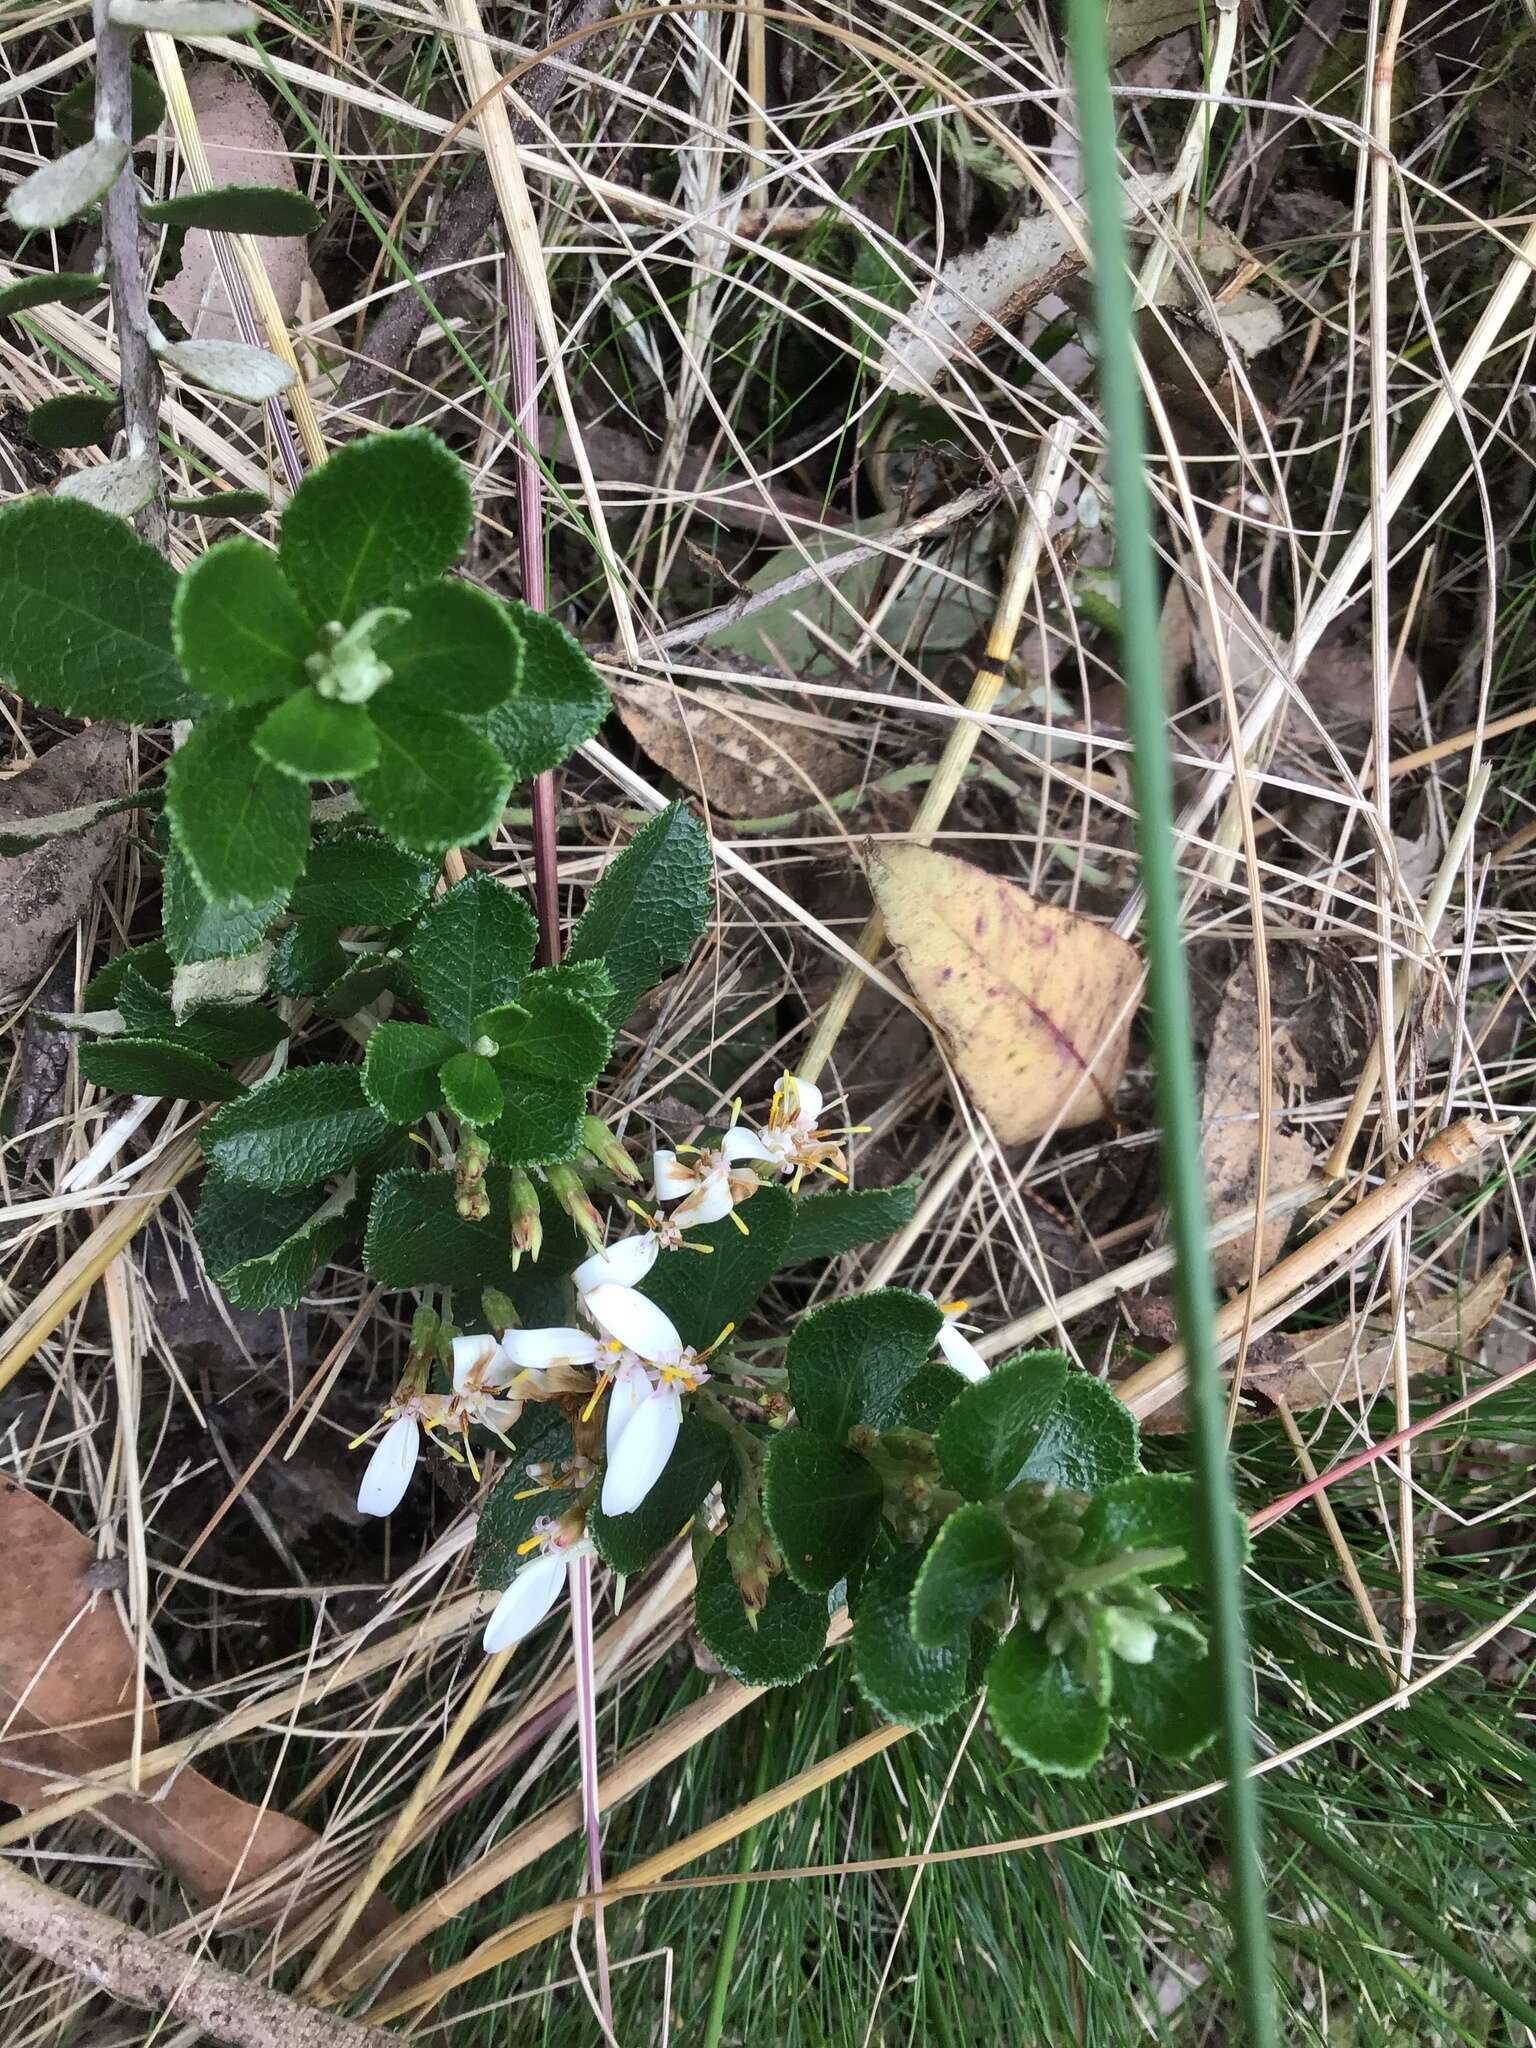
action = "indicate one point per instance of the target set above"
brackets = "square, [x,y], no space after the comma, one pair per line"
[523,1349]
[637,1323]
[624,1264]
[805,1098]
[671,1177]
[471,1357]
[643,1451]
[962,1354]
[710,1200]
[525,1603]
[631,1388]
[390,1467]
[740,1143]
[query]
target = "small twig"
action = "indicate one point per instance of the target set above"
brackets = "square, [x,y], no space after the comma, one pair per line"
[125,269]
[144,1972]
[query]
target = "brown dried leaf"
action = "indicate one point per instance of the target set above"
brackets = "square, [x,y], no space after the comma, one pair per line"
[245,147]
[1352,1364]
[42,893]
[1131,24]
[747,758]
[1231,1127]
[1033,1003]
[67,1709]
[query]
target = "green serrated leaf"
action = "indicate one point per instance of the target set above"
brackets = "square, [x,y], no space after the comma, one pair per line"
[1149,1511]
[823,1507]
[298,1128]
[555,1031]
[558,701]
[151,962]
[437,783]
[969,1563]
[364,982]
[1042,1709]
[381,517]
[457,651]
[1172,1703]
[315,739]
[540,1123]
[231,1031]
[990,1428]
[472,1090]
[75,113]
[241,634]
[541,1436]
[650,908]
[472,951]
[263,1248]
[87,611]
[628,1543]
[827,1225]
[306,959]
[401,1068]
[785,1644]
[899,1677]
[24,834]
[243,827]
[196,929]
[1089,1441]
[358,877]
[75,419]
[153,1066]
[237,210]
[416,1238]
[851,1361]
[50,288]
[702,1295]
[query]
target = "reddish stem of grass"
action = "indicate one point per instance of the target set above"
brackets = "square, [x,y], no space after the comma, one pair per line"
[522,376]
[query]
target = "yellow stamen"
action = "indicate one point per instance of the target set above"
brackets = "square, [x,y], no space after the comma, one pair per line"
[736,1110]
[528,1492]
[688,1245]
[679,1150]
[531,1543]
[597,1393]
[739,1221]
[469,1459]
[366,1434]
[729,1330]
[833,1174]
[953,1308]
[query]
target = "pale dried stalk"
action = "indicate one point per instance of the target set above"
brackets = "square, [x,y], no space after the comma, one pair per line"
[991,673]
[1337,1539]
[1450,1151]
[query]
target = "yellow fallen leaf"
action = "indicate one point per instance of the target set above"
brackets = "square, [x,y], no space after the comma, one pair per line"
[746,758]
[1033,1003]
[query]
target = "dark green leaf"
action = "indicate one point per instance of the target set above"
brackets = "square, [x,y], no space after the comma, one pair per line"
[555,1031]
[1172,1703]
[437,784]
[75,419]
[823,1506]
[24,834]
[242,826]
[458,650]
[851,1361]
[87,612]
[401,1067]
[990,1428]
[364,982]
[471,1089]
[628,1543]
[298,1128]
[558,700]
[788,1640]
[899,1677]
[416,1238]
[196,929]
[541,1121]
[968,1564]
[358,877]
[263,1248]
[153,1066]
[318,740]
[1042,1709]
[472,951]
[241,634]
[650,908]
[1148,1511]
[1089,1442]
[306,959]
[542,1438]
[702,1295]
[50,288]
[826,1225]
[76,111]
[237,210]
[222,505]
[928,1396]
[151,962]
[378,519]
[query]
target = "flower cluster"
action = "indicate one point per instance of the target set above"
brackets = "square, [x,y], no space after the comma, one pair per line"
[630,1352]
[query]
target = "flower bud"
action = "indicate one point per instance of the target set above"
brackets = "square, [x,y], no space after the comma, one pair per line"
[500,1311]
[527,1223]
[753,1559]
[608,1152]
[469,1195]
[565,1185]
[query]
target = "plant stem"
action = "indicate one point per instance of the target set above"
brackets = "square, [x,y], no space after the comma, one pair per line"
[730,1933]
[586,1733]
[1168,997]
[139,372]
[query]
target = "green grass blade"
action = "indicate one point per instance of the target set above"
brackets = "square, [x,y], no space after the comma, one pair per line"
[1168,993]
